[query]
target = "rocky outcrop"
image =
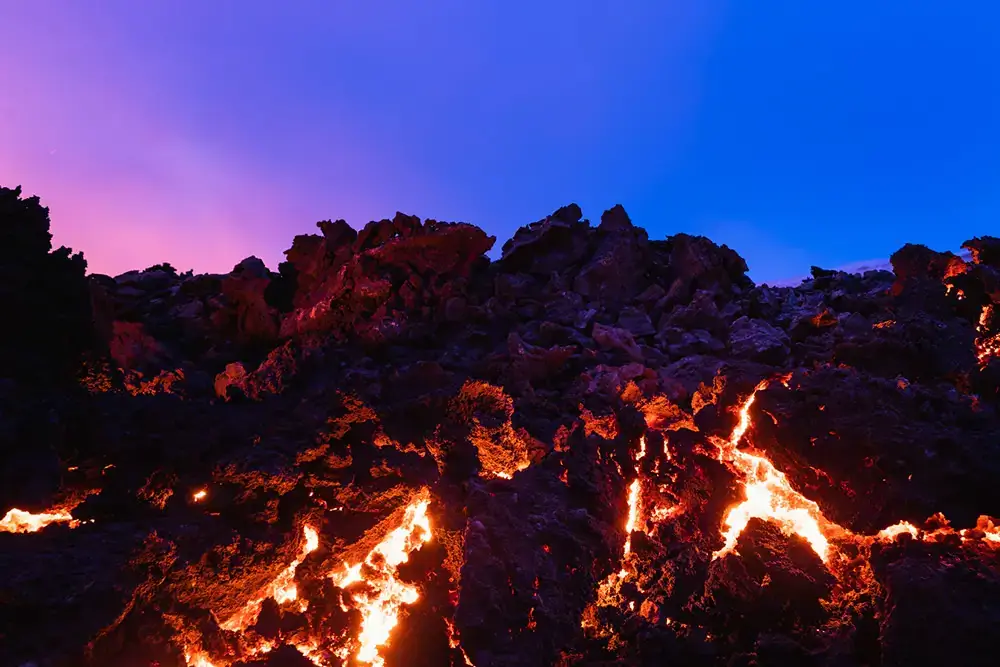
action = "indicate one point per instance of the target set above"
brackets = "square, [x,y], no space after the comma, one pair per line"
[534,461]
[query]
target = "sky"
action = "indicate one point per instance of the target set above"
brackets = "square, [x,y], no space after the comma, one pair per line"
[799,133]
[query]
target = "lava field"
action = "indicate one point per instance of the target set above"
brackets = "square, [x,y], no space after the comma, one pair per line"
[599,449]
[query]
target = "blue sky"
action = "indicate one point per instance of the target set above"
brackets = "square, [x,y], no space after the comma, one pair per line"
[799,133]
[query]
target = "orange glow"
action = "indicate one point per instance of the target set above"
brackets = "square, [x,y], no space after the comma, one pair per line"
[282,588]
[19,521]
[663,513]
[197,659]
[608,589]
[199,495]
[454,643]
[633,513]
[892,532]
[987,347]
[769,496]
[380,605]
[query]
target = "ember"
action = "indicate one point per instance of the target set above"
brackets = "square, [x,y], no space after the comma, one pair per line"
[258,456]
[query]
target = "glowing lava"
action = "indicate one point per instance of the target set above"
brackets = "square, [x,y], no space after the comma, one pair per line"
[609,589]
[892,532]
[385,593]
[199,495]
[454,643]
[197,660]
[987,347]
[769,496]
[282,588]
[19,521]
[633,499]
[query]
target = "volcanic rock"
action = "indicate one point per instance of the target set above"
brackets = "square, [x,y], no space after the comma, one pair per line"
[600,449]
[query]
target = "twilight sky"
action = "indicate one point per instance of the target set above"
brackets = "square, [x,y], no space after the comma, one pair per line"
[200,132]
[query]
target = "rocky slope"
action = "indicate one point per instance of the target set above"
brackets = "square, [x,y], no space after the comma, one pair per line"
[600,449]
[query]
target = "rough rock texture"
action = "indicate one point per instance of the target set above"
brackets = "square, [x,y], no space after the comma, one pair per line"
[528,462]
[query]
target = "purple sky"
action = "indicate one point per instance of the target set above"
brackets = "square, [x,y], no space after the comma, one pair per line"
[202,132]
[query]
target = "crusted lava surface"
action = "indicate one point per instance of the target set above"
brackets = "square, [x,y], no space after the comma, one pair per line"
[600,449]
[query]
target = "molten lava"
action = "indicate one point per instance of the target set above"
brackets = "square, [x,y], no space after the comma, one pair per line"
[769,496]
[608,590]
[987,347]
[384,593]
[633,499]
[282,588]
[19,521]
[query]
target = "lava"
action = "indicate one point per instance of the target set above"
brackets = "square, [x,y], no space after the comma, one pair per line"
[282,588]
[633,512]
[453,642]
[987,347]
[608,589]
[384,593]
[20,521]
[769,496]
[894,531]
[633,499]
[197,659]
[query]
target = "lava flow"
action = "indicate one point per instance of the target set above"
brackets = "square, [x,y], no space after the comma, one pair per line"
[393,450]
[384,593]
[282,588]
[608,589]
[19,521]
[769,496]
[987,347]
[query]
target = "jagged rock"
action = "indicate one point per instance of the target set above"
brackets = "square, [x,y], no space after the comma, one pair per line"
[522,415]
[614,273]
[533,363]
[918,262]
[550,245]
[938,599]
[984,250]
[45,291]
[392,272]
[697,263]
[757,340]
[613,338]
[133,349]
[636,322]
[700,313]
[245,288]
[776,582]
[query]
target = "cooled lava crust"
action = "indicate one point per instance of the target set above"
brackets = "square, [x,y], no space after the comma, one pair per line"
[600,449]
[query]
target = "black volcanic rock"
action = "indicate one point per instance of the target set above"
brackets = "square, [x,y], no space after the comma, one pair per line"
[43,292]
[247,462]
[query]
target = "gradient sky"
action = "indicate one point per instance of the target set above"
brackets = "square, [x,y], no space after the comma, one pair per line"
[200,132]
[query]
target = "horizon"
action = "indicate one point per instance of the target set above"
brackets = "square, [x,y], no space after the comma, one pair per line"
[861,266]
[202,134]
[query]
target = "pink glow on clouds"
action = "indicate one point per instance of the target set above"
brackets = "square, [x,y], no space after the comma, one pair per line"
[203,132]
[127,179]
